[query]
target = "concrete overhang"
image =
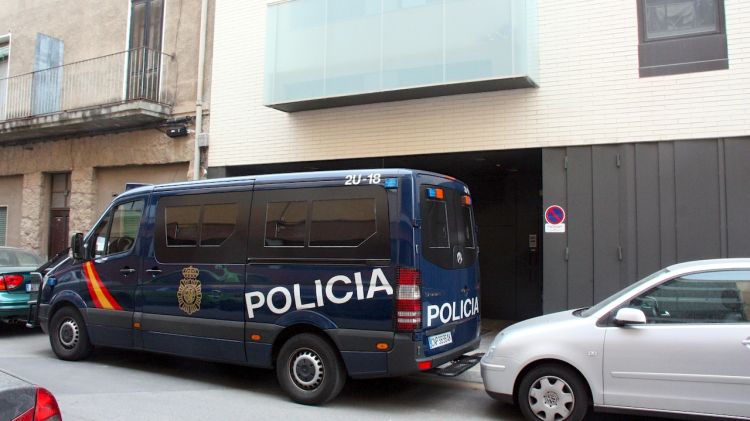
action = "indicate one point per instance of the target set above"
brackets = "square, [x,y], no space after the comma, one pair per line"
[83,122]
[456,88]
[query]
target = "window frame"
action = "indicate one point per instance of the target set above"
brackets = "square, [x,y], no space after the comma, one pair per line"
[649,291]
[683,53]
[109,218]
[376,249]
[233,248]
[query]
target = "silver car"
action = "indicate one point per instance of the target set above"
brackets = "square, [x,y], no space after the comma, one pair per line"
[675,342]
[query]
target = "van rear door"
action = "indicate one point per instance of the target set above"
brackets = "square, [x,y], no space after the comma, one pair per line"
[448,264]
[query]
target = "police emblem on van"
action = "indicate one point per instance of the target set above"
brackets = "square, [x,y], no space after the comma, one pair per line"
[189,293]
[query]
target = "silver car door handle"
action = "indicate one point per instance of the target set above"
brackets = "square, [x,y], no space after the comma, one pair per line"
[127,270]
[746,342]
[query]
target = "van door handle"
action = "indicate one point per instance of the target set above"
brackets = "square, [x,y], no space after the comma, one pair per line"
[126,270]
[746,342]
[154,271]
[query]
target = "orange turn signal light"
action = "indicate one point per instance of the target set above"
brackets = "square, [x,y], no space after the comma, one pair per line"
[382,346]
[136,325]
[255,337]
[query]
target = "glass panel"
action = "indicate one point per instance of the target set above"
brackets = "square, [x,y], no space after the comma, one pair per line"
[125,224]
[342,223]
[478,39]
[353,50]
[669,18]
[285,224]
[138,25]
[182,225]
[435,224]
[466,221]
[300,50]
[100,237]
[218,223]
[413,43]
[29,260]
[59,191]
[712,297]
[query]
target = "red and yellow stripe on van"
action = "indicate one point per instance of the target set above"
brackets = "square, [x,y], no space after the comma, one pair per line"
[99,293]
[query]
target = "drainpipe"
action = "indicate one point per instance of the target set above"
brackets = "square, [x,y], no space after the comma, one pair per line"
[199,94]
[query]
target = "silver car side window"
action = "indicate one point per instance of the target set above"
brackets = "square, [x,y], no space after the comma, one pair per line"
[706,297]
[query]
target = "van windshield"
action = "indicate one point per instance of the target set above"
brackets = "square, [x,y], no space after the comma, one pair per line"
[448,238]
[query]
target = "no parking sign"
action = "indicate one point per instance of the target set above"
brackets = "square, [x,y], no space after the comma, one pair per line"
[555,217]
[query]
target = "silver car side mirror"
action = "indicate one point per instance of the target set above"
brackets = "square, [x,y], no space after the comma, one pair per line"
[630,316]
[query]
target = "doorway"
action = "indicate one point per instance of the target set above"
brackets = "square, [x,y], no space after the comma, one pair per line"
[506,189]
[59,213]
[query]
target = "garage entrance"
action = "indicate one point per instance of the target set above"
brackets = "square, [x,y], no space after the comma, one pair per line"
[506,188]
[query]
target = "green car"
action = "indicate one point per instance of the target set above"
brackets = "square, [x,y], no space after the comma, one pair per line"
[15,267]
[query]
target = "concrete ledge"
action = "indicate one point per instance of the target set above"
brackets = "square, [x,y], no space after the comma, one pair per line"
[84,121]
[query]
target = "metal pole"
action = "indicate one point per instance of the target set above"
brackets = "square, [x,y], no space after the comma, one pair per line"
[199,94]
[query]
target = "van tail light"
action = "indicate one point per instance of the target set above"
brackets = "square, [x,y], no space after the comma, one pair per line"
[408,300]
[46,408]
[10,282]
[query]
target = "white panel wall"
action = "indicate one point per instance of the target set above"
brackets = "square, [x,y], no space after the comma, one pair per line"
[589,93]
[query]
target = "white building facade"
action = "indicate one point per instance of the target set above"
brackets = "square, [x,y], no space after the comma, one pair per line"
[632,115]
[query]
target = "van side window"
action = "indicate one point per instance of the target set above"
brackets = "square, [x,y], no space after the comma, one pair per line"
[342,222]
[117,232]
[202,228]
[285,224]
[182,225]
[218,223]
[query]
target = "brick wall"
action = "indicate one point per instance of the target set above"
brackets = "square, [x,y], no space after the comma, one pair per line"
[589,93]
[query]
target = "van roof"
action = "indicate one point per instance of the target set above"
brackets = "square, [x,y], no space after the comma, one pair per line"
[277,178]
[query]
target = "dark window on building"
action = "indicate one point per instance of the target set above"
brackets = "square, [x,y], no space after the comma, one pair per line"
[285,224]
[202,228]
[324,224]
[681,36]
[342,222]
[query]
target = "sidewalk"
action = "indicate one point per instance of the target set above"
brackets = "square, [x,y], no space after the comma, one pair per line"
[490,329]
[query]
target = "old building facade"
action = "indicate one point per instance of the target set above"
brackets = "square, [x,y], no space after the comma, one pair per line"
[87,98]
[632,116]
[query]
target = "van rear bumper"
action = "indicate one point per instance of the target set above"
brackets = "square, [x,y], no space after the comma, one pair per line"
[402,359]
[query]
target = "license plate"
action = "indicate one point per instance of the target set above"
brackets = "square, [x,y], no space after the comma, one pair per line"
[32,287]
[437,341]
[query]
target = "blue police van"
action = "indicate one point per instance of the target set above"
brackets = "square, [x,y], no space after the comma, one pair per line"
[324,275]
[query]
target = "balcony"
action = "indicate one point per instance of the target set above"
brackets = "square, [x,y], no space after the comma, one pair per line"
[120,91]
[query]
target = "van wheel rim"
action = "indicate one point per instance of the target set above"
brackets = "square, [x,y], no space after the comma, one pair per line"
[69,333]
[551,398]
[306,369]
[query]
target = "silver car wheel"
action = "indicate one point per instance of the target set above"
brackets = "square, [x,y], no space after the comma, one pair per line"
[307,369]
[551,398]
[69,333]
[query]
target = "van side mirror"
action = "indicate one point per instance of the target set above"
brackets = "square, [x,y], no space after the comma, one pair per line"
[76,245]
[630,316]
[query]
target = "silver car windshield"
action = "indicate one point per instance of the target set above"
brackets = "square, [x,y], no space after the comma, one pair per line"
[591,310]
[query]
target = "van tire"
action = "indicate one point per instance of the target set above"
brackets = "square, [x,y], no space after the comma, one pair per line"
[562,386]
[310,370]
[68,335]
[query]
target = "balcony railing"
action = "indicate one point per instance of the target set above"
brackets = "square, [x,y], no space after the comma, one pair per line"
[138,74]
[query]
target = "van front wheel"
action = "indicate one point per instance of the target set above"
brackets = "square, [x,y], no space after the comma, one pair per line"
[68,335]
[309,369]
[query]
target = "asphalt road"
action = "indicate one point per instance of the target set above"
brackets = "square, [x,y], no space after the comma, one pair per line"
[125,385]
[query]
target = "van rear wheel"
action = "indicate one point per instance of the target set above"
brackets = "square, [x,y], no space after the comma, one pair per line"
[309,369]
[68,335]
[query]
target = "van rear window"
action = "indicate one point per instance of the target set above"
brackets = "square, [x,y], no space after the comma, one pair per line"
[448,238]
